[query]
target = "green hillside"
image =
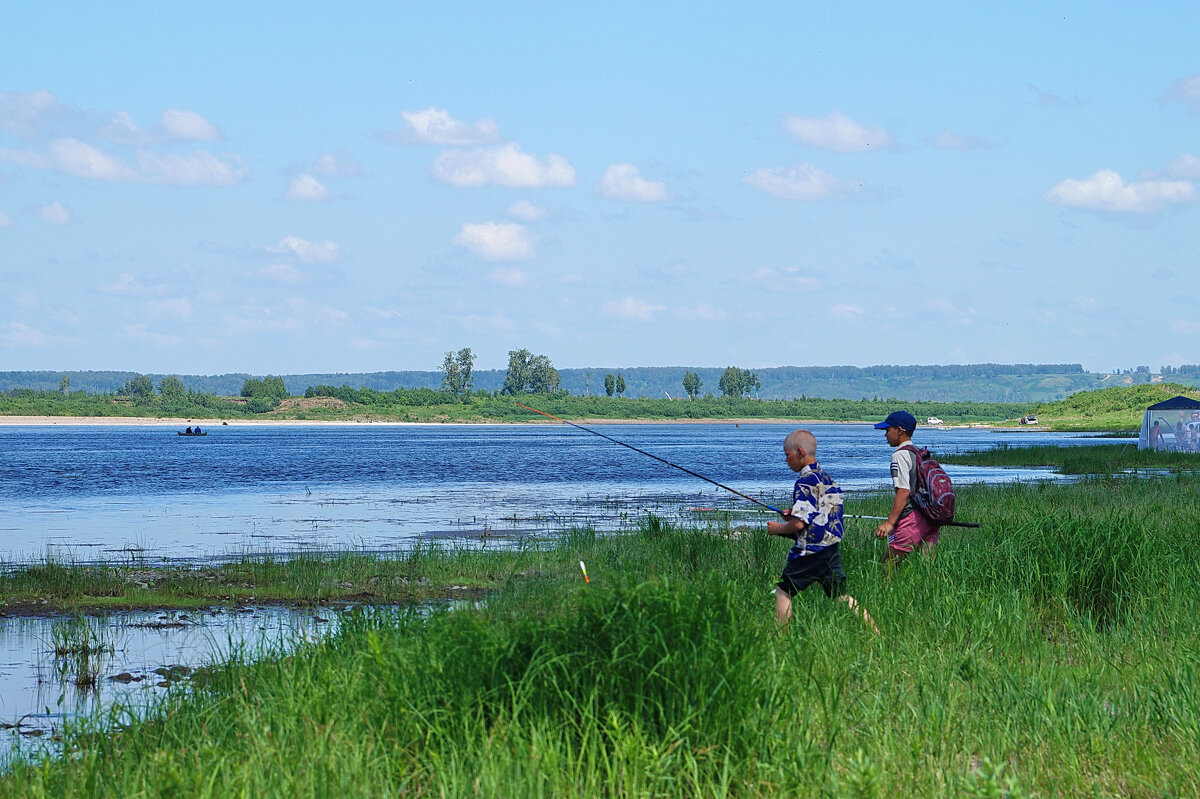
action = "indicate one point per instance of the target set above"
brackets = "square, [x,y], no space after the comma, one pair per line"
[1117,408]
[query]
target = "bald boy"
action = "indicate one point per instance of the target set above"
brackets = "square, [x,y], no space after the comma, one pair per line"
[814,523]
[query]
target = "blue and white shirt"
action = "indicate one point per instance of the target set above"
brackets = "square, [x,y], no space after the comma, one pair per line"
[816,501]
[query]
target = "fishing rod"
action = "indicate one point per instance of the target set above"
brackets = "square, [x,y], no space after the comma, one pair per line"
[648,455]
[844,516]
[939,524]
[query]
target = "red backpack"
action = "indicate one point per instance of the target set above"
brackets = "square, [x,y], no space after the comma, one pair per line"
[934,496]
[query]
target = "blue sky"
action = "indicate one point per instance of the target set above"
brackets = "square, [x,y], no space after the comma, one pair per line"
[299,187]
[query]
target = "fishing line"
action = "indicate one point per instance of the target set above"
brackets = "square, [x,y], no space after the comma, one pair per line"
[939,524]
[648,455]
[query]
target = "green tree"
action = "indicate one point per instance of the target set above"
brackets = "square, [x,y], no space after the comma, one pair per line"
[457,372]
[610,383]
[691,384]
[737,382]
[730,382]
[139,387]
[543,377]
[520,372]
[64,385]
[269,388]
[620,384]
[172,388]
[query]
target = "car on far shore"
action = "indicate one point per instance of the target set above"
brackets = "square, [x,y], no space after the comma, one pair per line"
[933,421]
[1030,419]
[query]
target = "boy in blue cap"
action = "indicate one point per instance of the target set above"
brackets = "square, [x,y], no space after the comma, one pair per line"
[906,528]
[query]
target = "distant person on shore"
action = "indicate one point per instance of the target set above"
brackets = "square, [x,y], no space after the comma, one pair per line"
[814,523]
[905,528]
[1180,435]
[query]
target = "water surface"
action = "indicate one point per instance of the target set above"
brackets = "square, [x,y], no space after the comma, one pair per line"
[137,493]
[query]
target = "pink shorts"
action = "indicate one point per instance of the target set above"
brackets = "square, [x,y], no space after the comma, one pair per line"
[912,531]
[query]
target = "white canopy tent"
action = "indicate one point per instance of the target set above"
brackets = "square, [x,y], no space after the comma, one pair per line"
[1173,424]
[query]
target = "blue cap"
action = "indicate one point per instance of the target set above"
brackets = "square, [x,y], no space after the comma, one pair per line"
[902,419]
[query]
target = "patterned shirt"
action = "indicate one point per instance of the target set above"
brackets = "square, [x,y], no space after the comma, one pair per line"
[816,501]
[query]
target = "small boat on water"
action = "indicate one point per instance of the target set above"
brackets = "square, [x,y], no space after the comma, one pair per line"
[191,432]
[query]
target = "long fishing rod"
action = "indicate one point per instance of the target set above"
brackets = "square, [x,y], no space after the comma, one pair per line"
[939,524]
[648,455]
[844,516]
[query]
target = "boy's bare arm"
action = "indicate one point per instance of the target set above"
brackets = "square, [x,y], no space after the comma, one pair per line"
[898,504]
[790,527]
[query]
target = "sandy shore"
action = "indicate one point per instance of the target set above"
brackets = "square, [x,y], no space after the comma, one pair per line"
[135,421]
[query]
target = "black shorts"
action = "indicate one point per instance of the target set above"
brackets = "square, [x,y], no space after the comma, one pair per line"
[824,567]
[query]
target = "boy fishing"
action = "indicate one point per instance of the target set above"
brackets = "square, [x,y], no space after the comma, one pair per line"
[814,523]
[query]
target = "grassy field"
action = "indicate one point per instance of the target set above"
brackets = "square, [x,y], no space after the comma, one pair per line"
[1052,652]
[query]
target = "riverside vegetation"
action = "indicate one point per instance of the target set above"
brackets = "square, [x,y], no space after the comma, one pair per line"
[329,403]
[1051,652]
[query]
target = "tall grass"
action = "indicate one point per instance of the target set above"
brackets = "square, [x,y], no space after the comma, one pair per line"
[1094,459]
[1051,652]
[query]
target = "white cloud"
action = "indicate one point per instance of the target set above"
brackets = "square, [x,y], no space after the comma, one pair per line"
[130,286]
[1184,166]
[1084,304]
[143,334]
[197,168]
[631,308]
[802,182]
[24,335]
[1186,91]
[952,141]
[337,165]
[526,211]
[850,313]
[82,160]
[436,126]
[836,132]
[170,308]
[177,126]
[773,280]
[122,129]
[493,323]
[703,312]
[513,278]
[497,241]
[951,313]
[505,165]
[30,115]
[71,157]
[1185,326]
[284,274]
[622,182]
[1052,100]
[306,188]
[309,252]
[182,125]
[56,214]
[1105,191]
[5,221]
